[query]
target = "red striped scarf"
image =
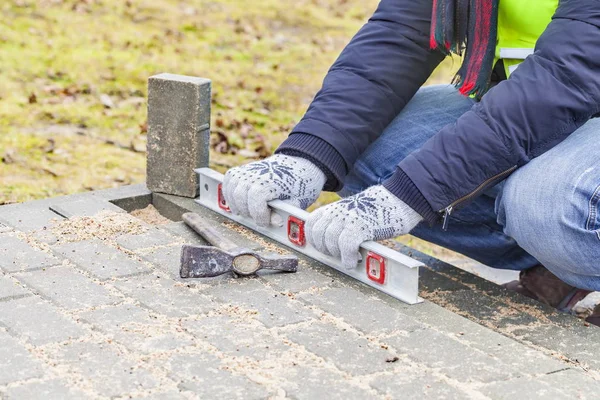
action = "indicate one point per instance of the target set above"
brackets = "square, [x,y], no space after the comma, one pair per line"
[469,27]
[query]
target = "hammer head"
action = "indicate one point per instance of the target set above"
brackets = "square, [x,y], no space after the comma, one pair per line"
[209,261]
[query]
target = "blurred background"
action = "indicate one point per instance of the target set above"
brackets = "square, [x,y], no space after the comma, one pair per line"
[73,79]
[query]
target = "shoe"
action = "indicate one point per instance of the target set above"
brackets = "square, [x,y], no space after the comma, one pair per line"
[542,285]
[594,319]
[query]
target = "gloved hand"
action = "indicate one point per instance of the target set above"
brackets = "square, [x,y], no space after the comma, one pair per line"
[338,229]
[248,188]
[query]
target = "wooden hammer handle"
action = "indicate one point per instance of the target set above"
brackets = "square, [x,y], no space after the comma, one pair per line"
[210,234]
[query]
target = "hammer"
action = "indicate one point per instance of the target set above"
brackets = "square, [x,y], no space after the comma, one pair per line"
[224,255]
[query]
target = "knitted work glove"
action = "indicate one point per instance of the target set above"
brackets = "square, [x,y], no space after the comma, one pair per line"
[248,188]
[338,229]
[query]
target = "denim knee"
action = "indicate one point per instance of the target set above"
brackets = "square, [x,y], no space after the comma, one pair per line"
[554,217]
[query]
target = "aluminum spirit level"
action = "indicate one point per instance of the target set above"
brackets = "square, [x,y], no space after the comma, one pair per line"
[381,267]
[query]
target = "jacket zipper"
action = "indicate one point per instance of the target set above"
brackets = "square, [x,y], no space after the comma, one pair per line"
[448,210]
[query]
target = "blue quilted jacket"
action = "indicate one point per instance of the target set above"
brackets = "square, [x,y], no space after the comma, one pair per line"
[551,94]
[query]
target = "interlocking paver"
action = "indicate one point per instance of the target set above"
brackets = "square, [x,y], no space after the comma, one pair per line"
[204,375]
[47,390]
[37,321]
[312,382]
[16,364]
[101,260]
[17,255]
[367,313]
[273,308]
[166,296]
[348,351]
[166,259]
[449,355]
[137,328]
[236,337]
[305,279]
[566,384]
[68,288]
[87,207]
[28,218]
[152,238]
[109,372]
[417,385]
[11,288]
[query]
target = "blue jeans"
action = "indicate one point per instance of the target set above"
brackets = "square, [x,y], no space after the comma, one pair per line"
[547,212]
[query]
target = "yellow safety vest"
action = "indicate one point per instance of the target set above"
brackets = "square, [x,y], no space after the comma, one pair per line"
[520,24]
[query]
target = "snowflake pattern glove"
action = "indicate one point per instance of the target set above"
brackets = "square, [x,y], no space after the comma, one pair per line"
[248,189]
[338,229]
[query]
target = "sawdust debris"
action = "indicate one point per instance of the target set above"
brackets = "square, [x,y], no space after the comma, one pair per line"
[150,215]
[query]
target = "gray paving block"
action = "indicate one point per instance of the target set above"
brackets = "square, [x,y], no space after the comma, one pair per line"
[168,394]
[107,370]
[185,233]
[27,218]
[86,207]
[54,389]
[236,337]
[101,260]
[166,259]
[306,278]
[178,133]
[202,375]
[417,385]
[68,288]
[9,288]
[152,238]
[37,321]
[17,255]
[16,364]
[348,351]
[137,328]
[566,384]
[451,357]
[274,308]
[365,312]
[166,296]
[312,382]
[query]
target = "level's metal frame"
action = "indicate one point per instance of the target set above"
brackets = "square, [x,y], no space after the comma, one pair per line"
[401,272]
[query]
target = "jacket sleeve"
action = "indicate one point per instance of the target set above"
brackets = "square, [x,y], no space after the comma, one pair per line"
[377,73]
[551,94]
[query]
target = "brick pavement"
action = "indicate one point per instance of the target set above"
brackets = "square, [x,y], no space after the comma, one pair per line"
[104,315]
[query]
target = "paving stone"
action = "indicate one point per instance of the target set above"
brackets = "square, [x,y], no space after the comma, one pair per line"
[166,259]
[236,337]
[27,218]
[86,207]
[201,374]
[566,384]
[187,234]
[48,390]
[68,288]
[451,357]
[417,385]
[37,321]
[178,133]
[16,364]
[345,349]
[367,313]
[169,394]
[152,238]
[306,278]
[166,296]
[308,383]
[11,288]
[17,255]
[108,371]
[274,308]
[137,328]
[101,260]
